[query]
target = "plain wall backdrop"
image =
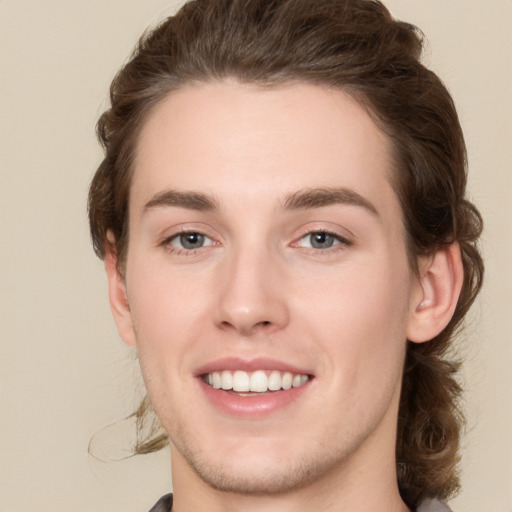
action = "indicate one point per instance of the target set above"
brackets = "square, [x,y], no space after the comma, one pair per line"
[64,372]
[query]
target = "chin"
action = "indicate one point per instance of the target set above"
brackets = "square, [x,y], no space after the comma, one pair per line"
[263,475]
[258,481]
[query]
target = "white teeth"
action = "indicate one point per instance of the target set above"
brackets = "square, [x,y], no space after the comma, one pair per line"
[297,381]
[241,381]
[274,381]
[216,378]
[227,380]
[259,381]
[287,380]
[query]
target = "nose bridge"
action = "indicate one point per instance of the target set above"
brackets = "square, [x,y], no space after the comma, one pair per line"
[252,296]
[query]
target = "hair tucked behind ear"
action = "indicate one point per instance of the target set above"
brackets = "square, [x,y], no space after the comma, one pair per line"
[356,46]
[430,418]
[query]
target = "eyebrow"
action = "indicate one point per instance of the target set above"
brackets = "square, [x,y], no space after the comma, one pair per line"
[182,199]
[319,197]
[300,200]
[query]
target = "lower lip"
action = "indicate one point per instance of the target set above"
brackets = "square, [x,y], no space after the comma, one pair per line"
[251,406]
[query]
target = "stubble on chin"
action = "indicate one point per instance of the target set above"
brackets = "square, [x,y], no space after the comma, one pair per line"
[268,478]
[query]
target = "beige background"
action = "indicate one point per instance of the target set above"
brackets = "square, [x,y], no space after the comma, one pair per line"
[64,372]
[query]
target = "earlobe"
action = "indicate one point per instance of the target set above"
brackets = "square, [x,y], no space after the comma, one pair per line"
[435,298]
[117,294]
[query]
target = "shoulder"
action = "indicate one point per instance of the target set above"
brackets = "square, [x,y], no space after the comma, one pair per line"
[164,504]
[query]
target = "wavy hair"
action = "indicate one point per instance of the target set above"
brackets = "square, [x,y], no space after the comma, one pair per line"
[356,46]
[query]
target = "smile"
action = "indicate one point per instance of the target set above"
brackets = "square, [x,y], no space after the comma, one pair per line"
[260,381]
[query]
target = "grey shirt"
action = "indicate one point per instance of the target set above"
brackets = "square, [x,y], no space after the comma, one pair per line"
[164,504]
[432,506]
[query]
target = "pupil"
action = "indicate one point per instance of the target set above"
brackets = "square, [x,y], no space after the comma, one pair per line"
[191,240]
[321,240]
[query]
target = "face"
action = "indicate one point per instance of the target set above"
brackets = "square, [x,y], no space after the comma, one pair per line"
[267,284]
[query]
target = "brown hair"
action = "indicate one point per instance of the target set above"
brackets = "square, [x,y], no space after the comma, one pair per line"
[354,45]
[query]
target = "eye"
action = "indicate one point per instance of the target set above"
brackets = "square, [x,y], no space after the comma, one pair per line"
[189,241]
[322,240]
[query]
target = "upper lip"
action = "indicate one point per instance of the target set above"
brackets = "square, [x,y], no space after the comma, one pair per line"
[260,363]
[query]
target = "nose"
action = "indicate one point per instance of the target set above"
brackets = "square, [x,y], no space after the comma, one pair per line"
[252,294]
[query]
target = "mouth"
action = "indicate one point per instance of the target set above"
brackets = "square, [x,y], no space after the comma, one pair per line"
[253,389]
[255,382]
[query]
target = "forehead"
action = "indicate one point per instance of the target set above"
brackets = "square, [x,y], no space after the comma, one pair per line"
[224,138]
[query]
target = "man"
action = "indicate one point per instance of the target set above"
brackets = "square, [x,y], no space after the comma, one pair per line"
[282,214]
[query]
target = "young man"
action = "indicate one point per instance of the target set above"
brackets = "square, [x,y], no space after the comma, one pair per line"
[282,214]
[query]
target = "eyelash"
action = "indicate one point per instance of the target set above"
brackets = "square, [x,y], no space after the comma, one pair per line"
[182,251]
[339,243]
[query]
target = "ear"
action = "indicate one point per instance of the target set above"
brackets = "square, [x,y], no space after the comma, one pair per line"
[436,294]
[117,294]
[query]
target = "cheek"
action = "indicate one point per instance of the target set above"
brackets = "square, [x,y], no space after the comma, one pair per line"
[360,319]
[168,311]
[366,295]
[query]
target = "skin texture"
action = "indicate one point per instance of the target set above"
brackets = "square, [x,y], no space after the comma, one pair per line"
[258,288]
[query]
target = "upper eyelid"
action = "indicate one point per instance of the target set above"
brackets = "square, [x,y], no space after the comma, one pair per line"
[335,226]
[169,234]
[347,236]
[326,231]
[170,238]
[342,239]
